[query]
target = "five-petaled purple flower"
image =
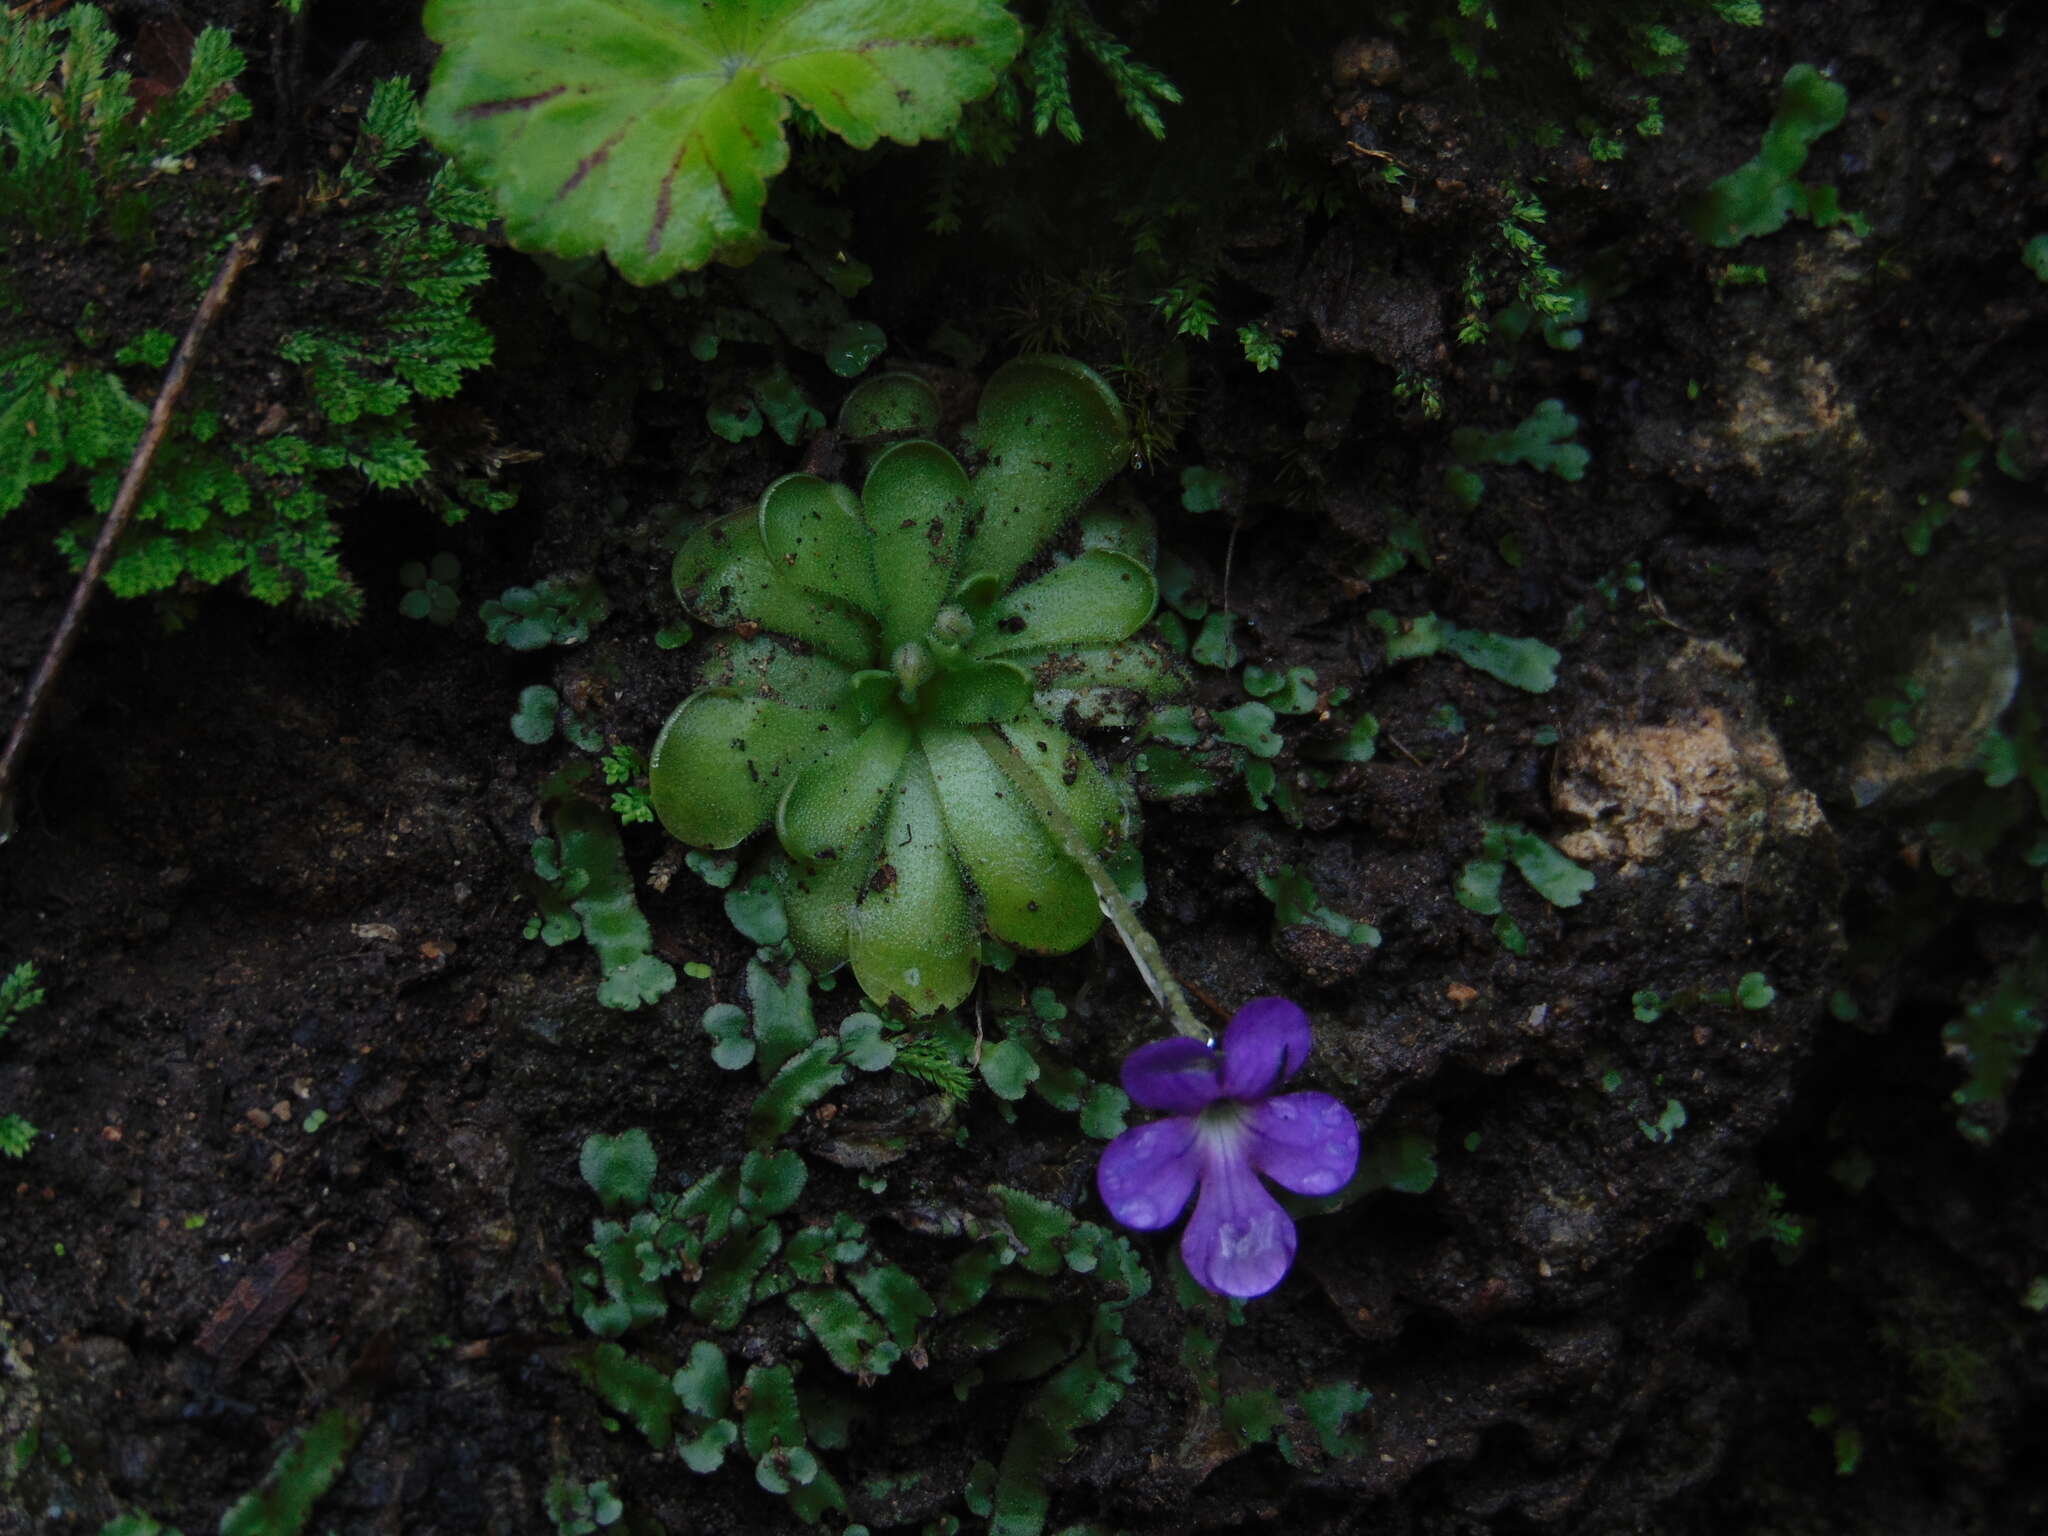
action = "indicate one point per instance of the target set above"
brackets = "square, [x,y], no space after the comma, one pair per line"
[1226,1128]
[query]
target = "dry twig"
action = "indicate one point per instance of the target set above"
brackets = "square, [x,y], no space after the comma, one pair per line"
[65,640]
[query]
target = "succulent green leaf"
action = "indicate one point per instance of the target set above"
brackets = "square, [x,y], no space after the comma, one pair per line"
[1022,1497]
[704,1385]
[650,131]
[722,763]
[871,690]
[725,576]
[835,804]
[1523,663]
[1097,598]
[913,934]
[1069,771]
[764,667]
[819,899]
[1123,530]
[1107,687]
[619,1168]
[889,406]
[1058,1083]
[980,693]
[916,498]
[1408,638]
[1053,432]
[1032,895]
[814,528]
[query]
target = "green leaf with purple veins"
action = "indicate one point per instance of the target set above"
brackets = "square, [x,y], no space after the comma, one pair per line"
[650,129]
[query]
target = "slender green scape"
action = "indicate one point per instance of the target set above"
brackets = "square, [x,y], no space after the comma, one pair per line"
[1137,939]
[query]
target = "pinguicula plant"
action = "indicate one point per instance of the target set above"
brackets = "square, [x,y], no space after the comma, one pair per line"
[1226,1126]
[888,690]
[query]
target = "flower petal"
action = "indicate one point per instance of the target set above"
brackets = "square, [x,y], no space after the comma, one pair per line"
[1239,1242]
[1306,1142]
[1147,1173]
[1266,1042]
[1177,1075]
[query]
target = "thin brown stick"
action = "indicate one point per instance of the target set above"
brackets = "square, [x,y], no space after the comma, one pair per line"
[65,640]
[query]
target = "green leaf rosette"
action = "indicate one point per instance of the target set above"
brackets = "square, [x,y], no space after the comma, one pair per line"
[895,657]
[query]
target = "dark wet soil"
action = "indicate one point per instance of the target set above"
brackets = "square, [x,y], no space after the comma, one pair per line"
[272,870]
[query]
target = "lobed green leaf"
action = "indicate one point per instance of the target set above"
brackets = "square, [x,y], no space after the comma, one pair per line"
[803,1080]
[619,1168]
[651,131]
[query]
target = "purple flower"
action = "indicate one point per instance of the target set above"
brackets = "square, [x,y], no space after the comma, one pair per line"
[1226,1127]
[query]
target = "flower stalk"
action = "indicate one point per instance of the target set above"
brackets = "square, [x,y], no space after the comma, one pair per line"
[1144,950]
